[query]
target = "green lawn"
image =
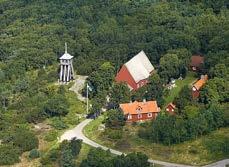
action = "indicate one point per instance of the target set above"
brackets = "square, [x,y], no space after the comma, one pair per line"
[189,79]
[190,152]
[77,110]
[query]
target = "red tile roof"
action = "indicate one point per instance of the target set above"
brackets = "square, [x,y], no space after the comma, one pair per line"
[172,105]
[140,107]
[200,83]
[197,60]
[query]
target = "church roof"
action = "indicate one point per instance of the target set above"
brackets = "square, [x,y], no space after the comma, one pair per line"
[66,56]
[139,67]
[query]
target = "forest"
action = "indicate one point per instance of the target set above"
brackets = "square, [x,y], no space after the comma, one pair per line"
[102,35]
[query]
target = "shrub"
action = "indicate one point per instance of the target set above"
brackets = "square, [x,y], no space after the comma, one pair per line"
[219,145]
[114,134]
[122,144]
[34,153]
[24,139]
[193,150]
[50,157]
[52,75]
[115,119]
[51,136]
[56,106]
[9,154]
[57,123]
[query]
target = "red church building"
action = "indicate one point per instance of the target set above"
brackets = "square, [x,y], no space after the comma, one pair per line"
[135,72]
[198,85]
[139,111]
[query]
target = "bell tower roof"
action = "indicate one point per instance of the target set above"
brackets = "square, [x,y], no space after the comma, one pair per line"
[66,55]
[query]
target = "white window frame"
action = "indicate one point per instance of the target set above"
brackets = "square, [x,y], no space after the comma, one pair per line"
[149,115]
[129,116]
[139,116]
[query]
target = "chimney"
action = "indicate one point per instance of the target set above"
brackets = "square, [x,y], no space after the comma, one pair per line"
[144,100]
[202,76]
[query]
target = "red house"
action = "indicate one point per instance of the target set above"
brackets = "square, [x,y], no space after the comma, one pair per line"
[196,62]
[138,111]
[198,85]
[135,72]
[170,108]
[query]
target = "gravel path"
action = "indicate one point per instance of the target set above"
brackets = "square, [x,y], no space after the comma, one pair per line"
[78,86]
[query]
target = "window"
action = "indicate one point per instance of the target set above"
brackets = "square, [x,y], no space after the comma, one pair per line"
[150,114]
[167,109]
[138,109]
[129,116]
[139,116]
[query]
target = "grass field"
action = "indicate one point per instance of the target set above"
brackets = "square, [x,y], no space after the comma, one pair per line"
[189,79]
[76,110]
[190,152]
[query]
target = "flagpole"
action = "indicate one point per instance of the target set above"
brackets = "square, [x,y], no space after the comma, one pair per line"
[87,98]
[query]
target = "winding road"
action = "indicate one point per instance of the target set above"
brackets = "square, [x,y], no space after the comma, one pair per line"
[77,132]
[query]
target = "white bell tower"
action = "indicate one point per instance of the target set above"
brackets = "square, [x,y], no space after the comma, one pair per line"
[66,67]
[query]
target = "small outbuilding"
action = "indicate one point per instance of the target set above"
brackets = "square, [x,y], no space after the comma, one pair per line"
[198,85]
[197,62]
[170,108]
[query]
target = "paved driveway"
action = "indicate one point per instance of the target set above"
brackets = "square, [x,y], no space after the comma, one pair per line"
[78,133]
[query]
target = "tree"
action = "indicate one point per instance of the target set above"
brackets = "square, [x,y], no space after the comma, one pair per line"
[119,93]
[169,67]
[66,159]
[220,71]
[115,119]
[100,158]
[9,154]
[4,96]
[75,146]
[218,116]
[2,76]
[183,99]
[101,79]
[20,135]
[184,56]
[154,89]
[191,111]
[34,153]
[21,85]
[98,102]
[136,160]
[97,158]
[56,106]
[215,90]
